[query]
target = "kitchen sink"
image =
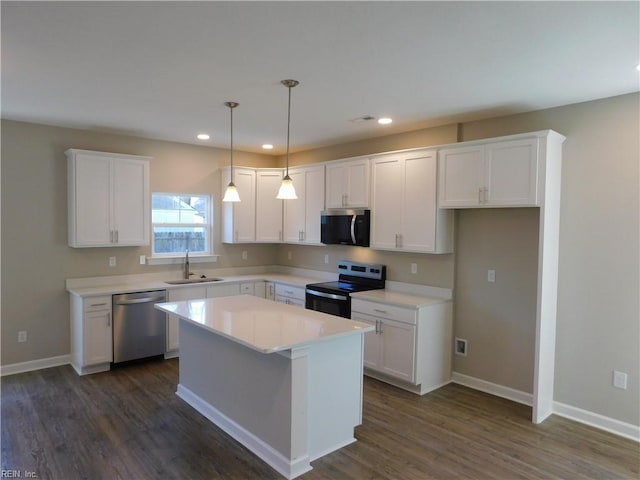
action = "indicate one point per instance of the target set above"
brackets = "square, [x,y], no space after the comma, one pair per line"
[192,280]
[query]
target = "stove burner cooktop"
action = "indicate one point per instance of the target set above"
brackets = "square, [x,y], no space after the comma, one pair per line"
[354,277]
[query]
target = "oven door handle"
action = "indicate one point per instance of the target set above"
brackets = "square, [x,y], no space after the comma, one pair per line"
[332,296]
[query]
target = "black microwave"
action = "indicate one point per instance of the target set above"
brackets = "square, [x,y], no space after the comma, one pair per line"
[345,227]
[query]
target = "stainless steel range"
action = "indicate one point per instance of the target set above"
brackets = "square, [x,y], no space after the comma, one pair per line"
[335,297]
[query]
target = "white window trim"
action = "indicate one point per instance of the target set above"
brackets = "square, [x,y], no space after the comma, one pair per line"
[172,258]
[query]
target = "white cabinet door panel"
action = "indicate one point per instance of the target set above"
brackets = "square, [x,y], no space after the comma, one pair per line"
[314,204]
[295,209]
[130,202]
[92,201]
[397,355]
[386,205]
[512,172]
[419,226]
[97,337]
[461,176]
[269,210]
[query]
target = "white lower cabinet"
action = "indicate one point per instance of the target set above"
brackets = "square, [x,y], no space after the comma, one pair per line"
[410,346]
[390,348]
[290,295]
[91,334]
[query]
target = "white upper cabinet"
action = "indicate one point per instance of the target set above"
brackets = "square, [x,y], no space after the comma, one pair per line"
[239,218]
[404,212]
[108,199]
[302,216]
[348,183]
[492,174]
[269,210]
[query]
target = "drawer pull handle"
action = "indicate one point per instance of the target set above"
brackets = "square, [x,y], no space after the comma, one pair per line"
[98,304]
[379,311]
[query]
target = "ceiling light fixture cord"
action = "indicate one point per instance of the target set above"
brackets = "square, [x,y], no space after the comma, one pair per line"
[287,191]
[231,194]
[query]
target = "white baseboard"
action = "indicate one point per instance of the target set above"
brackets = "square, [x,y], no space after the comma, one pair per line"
[493,388]
[32,365]
[287,468]
[596,420]
[592,419]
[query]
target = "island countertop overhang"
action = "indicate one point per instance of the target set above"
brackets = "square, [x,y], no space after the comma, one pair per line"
[263,325]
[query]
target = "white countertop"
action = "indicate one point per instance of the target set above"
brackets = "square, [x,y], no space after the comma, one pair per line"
[137,285]
[263,325]
[401,299]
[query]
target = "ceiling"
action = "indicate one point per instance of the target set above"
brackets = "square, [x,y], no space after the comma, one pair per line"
[164,69]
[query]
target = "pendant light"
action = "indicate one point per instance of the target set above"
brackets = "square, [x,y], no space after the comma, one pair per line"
[287,192]
[231,194]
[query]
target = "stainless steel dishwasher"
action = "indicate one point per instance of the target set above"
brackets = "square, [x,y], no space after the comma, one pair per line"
[139,330]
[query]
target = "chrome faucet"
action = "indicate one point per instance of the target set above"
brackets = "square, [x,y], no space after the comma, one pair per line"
[187,273]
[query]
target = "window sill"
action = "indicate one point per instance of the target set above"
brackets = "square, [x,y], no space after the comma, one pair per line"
[180,260]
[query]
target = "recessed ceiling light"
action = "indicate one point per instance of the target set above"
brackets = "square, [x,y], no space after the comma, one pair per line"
[384,121]
[267,146]
[203,136]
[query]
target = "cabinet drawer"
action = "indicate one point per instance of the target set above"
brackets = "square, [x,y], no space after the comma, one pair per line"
[96,304]
[289,291]
[246,288]
[400,314]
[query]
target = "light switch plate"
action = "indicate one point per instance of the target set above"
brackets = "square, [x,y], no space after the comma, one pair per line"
[620,380]
[112,261]
[491,276]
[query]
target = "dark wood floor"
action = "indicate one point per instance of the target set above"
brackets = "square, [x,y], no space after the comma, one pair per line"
[129,424]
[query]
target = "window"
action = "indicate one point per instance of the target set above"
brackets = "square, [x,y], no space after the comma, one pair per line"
[181,221]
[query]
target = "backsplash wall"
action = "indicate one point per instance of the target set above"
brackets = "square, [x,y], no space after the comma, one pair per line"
[434,270]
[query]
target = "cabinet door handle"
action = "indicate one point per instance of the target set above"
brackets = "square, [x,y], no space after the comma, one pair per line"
[109,320]
[380,311]
[280,235]
[117,236]
[480,195]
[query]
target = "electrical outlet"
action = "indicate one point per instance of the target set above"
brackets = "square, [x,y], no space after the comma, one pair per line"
[143,260]
[112,261]
[22,336]
[620,380]
[244,255]
[326,258]
[491,276]
[414,268]
[461,347]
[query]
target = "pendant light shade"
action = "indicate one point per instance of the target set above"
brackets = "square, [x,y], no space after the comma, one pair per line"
[287,191]
[231,193]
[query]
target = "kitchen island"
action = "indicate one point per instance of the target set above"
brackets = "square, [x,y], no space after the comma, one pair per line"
[283,381]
